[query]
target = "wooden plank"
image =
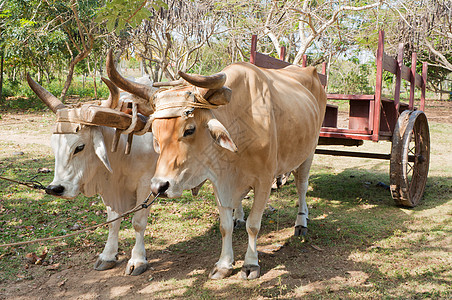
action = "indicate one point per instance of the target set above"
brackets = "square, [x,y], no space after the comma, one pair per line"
[331,113]
[359,115]
[389,64]
[388,117]
[282,55]
[411,158]
[349,97]
[253,49]
[345,130]
[346,136]
[378,86]
[323,79]
[424,84]
[398,81]
[353,154]
[268,62]
[412,80]
[339,141]
[406,75]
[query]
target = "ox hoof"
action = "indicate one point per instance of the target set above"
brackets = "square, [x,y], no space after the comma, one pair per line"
[251,272]
[239,224]
[136,269]
[301,231]
[219,273]
[102,265]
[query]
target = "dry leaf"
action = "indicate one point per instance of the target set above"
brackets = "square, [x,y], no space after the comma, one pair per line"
[31,257]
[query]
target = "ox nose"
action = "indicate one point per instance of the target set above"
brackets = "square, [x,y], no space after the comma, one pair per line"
[159,187]
[55,190]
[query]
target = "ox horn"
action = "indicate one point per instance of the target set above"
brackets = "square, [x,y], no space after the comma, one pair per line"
[138,89]
[50,100]
[113,98]
[213,82]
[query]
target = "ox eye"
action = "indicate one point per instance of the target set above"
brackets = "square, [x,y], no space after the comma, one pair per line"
[79,148]
[189,131]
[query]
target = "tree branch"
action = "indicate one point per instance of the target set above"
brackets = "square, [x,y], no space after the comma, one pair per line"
[446,63]
[133,15]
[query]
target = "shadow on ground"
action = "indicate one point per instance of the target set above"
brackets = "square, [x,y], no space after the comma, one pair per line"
[349,213]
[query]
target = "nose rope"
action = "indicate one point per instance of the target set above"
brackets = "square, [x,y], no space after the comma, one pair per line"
[140,206]
[34,184]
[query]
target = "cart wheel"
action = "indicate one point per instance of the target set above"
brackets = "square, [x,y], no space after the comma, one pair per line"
[410,156]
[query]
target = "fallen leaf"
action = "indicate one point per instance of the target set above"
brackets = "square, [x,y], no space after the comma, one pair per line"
[41,257]
[31,257]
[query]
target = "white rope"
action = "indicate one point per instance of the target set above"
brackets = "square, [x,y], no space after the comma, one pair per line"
[134,119]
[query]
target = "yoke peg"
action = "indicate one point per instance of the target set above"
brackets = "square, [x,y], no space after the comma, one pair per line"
[114,145]
[129,143]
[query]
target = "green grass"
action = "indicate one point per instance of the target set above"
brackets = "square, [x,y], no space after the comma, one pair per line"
[360,245]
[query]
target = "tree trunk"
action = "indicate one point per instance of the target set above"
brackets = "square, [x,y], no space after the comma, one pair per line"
[68,80]
[93,75]
[1,76]
[70,74]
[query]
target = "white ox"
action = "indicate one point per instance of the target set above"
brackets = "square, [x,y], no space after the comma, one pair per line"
[83,164]
[266,123]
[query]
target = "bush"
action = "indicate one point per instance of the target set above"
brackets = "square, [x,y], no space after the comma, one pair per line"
[18,95]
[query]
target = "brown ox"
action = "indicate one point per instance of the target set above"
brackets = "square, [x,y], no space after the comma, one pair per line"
[266,123]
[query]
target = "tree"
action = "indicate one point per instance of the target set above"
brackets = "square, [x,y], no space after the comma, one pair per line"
[171,38]
[325,25]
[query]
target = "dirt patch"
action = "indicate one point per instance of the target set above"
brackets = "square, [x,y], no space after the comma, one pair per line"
[30,128]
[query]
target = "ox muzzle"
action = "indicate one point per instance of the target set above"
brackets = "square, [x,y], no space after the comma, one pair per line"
[55,190]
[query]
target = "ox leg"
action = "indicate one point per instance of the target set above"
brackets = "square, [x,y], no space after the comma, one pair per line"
[138,263]
[223,267]
[107,259]
[239,217]
[251,268]
[301,175]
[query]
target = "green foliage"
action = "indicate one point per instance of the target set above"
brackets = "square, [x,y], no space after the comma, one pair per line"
[21,97]
[118,14]
[352,77]
[214,58]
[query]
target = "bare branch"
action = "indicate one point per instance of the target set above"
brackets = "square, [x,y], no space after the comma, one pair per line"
[446,64]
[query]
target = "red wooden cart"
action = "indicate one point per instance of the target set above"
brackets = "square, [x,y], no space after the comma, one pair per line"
[377,118]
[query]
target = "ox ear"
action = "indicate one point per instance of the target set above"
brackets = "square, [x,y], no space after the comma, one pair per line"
[219,97]
[221,135]
[100,148]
